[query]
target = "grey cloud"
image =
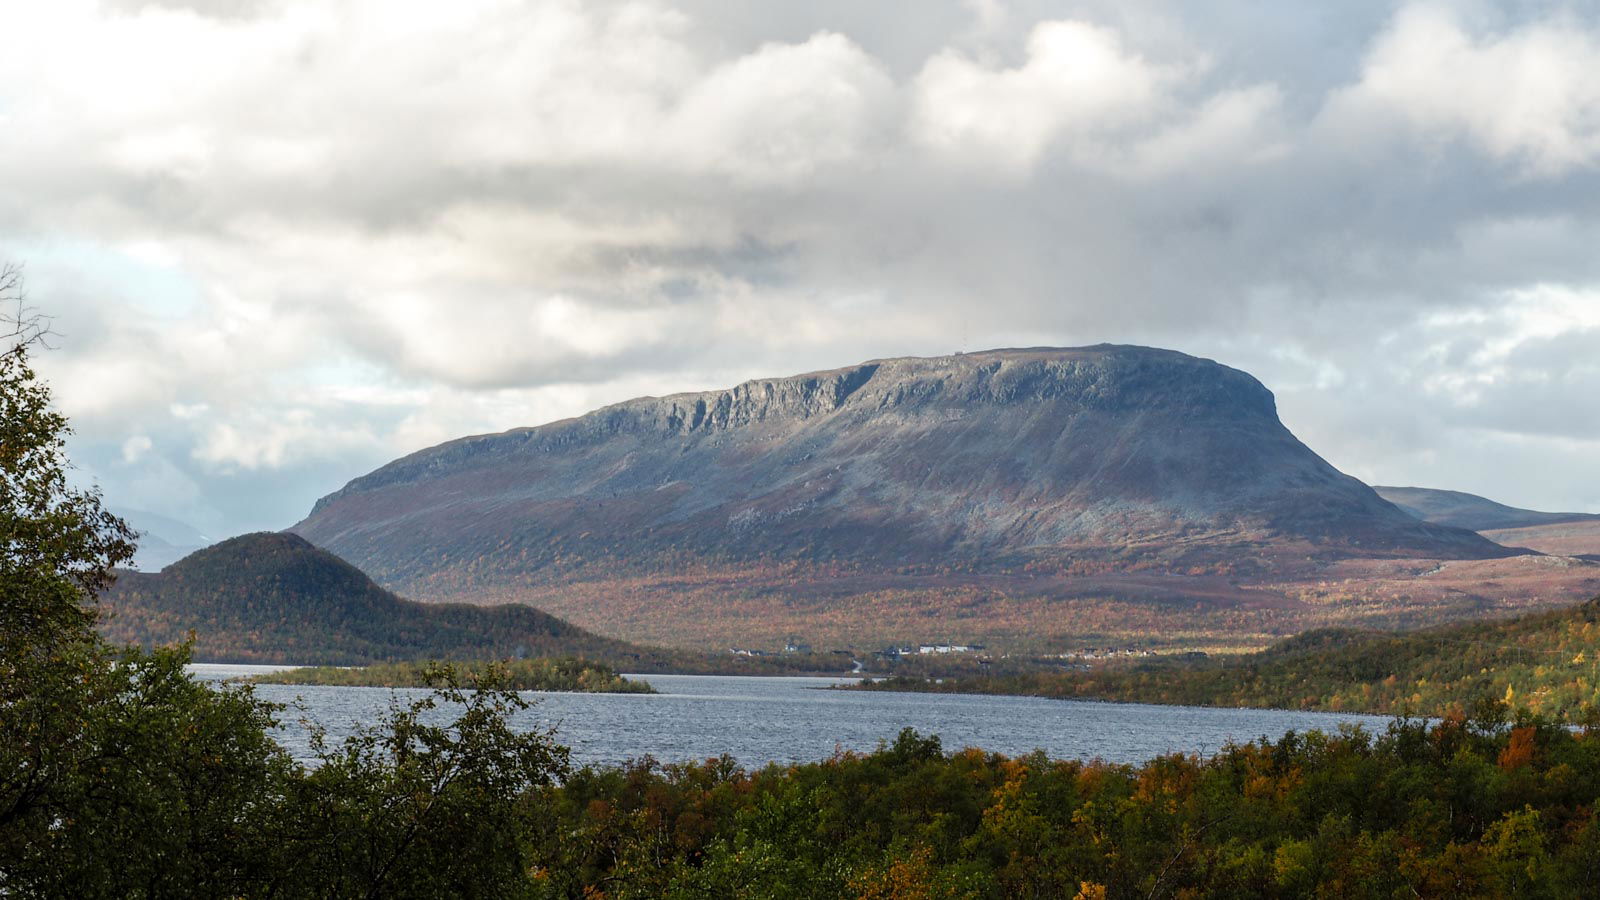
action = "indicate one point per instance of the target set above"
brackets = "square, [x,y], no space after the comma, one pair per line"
[1550,387]
[214,9]
[513,232]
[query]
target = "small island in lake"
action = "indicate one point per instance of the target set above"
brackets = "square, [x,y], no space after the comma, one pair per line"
[541,674]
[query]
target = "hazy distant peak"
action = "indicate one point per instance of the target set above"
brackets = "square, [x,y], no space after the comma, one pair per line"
[162,540]
[1470,511]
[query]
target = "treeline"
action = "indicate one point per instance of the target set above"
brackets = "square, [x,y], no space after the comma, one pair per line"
[1472,807]
[541,674]
[1548,663]
[159,786]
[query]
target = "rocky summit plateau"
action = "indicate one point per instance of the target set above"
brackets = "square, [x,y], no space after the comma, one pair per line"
[821,501]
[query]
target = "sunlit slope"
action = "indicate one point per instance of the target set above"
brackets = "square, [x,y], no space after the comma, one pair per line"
[1548,662]
[1036,460]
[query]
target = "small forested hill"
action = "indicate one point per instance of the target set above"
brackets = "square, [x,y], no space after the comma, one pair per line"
[275,598]
[1546,662]
[1463,510]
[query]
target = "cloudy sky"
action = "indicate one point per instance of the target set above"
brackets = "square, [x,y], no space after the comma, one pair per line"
[285,242]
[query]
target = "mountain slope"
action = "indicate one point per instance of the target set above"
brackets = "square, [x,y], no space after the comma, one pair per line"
[1576,538]
[1038,461]
[1545,661]
[1463,510]
[275,598]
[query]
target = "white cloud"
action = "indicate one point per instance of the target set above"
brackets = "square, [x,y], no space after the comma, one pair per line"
[289,240]
[1078,85]
[494,339]
[1527,95]
[1234,127]
[784,111]
[1082,94]
[283,438]
[134,448]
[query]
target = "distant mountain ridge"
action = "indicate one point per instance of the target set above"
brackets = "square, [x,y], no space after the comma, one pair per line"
[1026,460]
[275,598]
[162,540]
[1462,510]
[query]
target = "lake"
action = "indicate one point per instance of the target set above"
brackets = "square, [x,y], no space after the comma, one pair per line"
[758,720]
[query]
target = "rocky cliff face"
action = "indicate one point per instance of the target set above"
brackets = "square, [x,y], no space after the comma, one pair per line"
[986,461]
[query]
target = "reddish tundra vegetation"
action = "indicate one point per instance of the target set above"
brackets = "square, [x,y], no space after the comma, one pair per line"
[1028,500]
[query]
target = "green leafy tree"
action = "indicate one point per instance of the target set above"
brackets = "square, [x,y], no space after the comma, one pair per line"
[421,806]
[59,543]
[57,546]
[159,786]
[122,776]
[119,775]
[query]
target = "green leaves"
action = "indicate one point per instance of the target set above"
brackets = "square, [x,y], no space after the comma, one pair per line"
[1309,815]
[57,544]
[132,779]
[424,803]
[121,776]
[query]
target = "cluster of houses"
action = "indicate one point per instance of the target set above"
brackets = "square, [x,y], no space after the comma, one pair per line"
[1105,653]
[793,646]
[927,649]
[886,653]
[895,653]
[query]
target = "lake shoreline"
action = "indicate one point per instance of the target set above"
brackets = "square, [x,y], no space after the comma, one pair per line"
[764,719]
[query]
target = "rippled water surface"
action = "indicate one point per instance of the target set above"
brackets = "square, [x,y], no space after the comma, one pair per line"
[762,720]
